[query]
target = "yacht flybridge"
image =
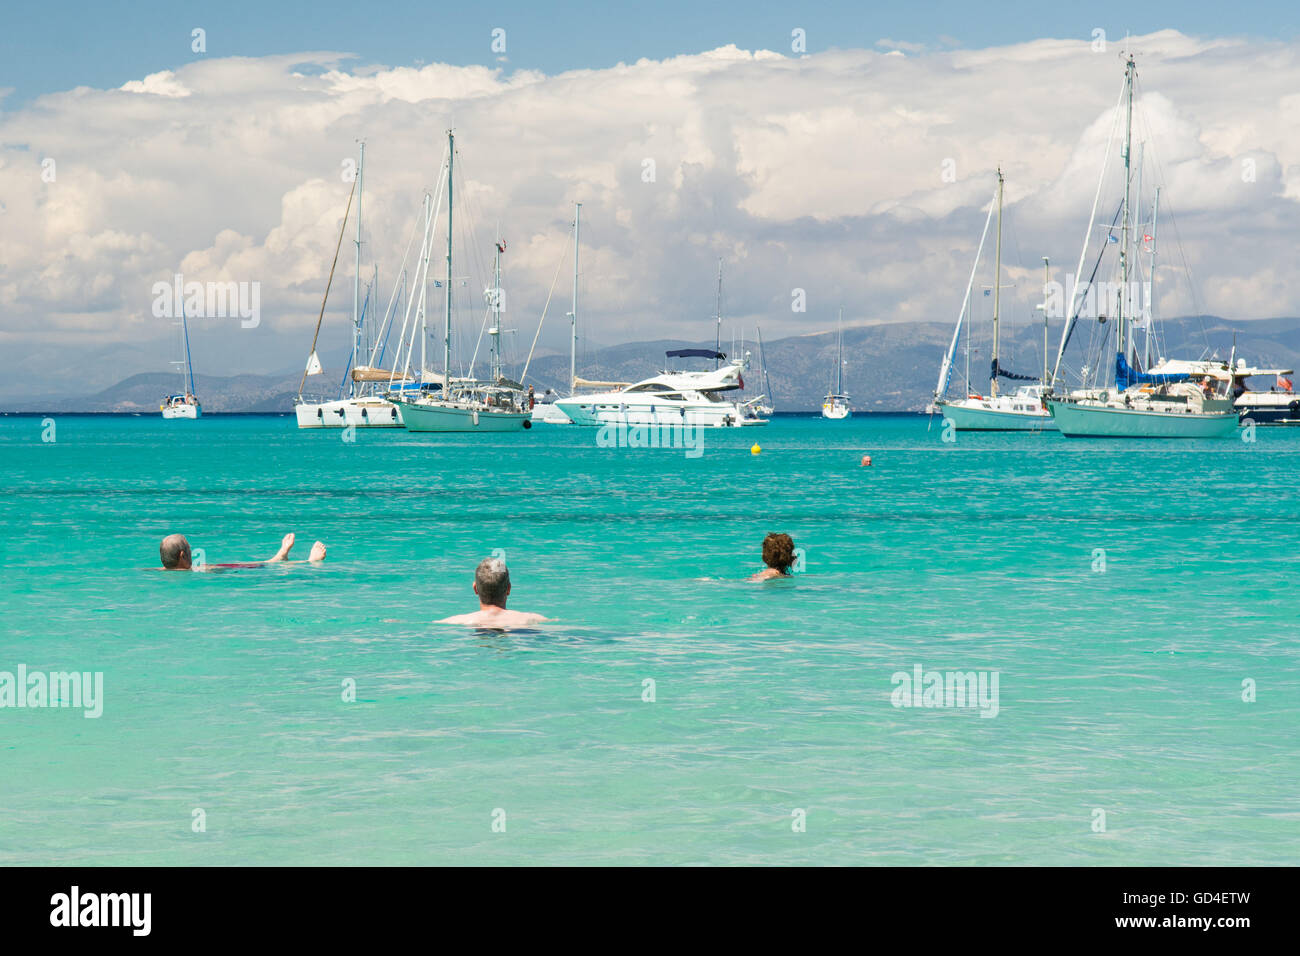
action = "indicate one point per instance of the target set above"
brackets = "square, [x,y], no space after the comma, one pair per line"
[696,398]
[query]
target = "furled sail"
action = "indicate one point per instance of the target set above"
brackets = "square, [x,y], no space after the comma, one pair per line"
[1000,371]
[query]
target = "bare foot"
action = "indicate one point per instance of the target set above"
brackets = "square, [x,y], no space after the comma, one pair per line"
[317,552]
[285,546]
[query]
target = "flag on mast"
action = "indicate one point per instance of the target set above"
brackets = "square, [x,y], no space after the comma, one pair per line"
[313,365]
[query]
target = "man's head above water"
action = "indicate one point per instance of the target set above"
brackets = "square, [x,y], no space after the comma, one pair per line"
[492,582]
[175,553]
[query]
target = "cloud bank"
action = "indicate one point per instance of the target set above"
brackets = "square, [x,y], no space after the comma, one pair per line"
[858,176]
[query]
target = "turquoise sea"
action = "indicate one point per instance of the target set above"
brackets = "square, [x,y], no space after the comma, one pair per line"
[1127,596]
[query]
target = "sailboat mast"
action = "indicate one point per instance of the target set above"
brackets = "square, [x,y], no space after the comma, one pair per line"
[496,315]
[356,273]
[1047,279]
[446,338]
[717,332]
[185,331]
[1155,213]
[573,316]
[839,354]
[424,287]
[1121,330]
[997,294]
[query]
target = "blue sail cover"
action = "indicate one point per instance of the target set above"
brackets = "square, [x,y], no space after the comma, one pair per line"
[696,353]
[1126,375]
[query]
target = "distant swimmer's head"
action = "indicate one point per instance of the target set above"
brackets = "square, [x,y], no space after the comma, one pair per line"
[175,553]
[492,582]
[778,552]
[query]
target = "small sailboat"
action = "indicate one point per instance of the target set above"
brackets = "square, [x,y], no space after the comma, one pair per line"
[467,405]
[764,403]
[1170,399]
[1024,409]
[362,406]
[836,404]
[186,404]
[547,410]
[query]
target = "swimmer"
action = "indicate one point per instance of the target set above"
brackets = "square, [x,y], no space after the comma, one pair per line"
[778,555]
[492,585]
[175,554]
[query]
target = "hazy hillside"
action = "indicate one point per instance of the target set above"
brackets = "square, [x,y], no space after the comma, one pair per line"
[887,366]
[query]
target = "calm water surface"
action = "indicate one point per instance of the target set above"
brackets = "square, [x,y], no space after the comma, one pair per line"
[1121,592]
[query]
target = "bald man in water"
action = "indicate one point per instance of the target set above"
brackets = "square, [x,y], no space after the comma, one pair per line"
[492,585]
[175,554]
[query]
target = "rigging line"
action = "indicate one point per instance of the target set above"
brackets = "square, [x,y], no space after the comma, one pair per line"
[329,282]
[1182,253]
[559,265]
[1082,296]
[1092,216]
[386,323]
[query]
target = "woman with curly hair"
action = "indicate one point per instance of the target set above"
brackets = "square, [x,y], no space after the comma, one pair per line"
[778,555]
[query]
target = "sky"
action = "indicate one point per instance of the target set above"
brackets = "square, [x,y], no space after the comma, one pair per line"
[843,150]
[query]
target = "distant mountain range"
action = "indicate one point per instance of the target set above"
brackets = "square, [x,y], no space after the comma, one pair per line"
[888,366]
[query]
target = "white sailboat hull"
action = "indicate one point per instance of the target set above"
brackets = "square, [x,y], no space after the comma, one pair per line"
[835,411]
[357,412]
[454,417]
[967,416]
[1079,420]
[182,411]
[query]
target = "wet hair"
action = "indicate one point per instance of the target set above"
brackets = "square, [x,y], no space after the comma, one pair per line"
[173,547]
[778,552]
[493,581]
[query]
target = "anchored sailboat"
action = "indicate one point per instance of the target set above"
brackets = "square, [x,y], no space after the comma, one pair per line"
[1171,399]
[836,404]
[1023,410]
[362,407]
[763,405]
[186,404]
[466,405]
[549,411]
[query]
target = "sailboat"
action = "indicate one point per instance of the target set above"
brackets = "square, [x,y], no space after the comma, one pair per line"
[1169,400]
[548,411]
[836,404]
[467,405]
[1023,410]
[186,404]
[763,405]
[363,406]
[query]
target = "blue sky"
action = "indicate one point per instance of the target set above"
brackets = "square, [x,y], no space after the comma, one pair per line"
[50,47]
